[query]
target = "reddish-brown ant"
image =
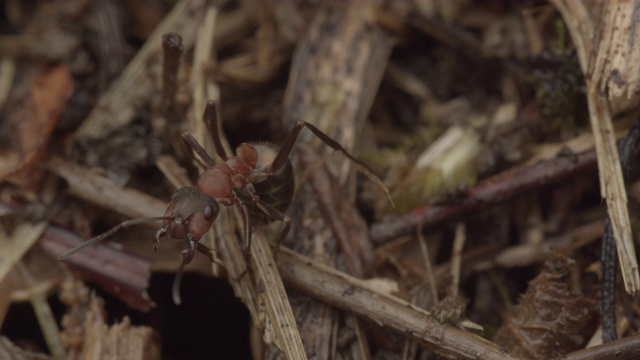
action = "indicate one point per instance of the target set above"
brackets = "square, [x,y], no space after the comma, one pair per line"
[258,174]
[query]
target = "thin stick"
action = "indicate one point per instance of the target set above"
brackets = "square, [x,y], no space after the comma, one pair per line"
[456,257]
[427,262]
[105,235]
[172,51]
[624,349]
[47,321]
[592,61]
[88,185]
[609,256]
[117,106]
[350,294]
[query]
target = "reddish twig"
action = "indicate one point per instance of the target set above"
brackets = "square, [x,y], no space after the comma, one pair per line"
[493,191]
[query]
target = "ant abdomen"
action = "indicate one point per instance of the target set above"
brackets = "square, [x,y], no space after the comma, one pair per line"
[277,189]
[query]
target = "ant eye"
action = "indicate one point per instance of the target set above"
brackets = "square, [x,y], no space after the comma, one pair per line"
[208,212]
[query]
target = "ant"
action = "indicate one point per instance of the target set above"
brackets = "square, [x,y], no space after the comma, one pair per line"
[259,174]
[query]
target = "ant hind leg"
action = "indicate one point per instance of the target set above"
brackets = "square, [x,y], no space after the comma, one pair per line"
[287,146]
[277,215]
[247,229]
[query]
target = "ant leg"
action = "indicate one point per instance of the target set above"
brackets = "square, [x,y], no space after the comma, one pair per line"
[162,232]
[175,289]
[211,114]
[187,255]
[247,228]
[277,215]
[198,149]
[287,146]
[206,251]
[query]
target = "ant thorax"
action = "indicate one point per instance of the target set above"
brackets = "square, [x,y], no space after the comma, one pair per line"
[217,182]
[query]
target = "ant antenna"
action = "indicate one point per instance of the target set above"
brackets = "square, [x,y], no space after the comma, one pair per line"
[105,235]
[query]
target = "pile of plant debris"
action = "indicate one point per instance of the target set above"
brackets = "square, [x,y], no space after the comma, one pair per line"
[473,195]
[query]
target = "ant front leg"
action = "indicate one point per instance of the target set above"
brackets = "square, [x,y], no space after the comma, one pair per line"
[198,149]
[188,251]
[187,255]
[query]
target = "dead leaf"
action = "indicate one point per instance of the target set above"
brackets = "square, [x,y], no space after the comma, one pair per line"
[549,320]
[32,125]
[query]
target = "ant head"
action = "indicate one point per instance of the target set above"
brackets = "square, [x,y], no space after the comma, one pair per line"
[189,213]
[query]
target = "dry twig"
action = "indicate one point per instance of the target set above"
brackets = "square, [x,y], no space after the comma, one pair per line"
[608,46]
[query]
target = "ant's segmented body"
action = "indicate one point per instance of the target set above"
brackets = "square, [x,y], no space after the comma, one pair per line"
[259,175]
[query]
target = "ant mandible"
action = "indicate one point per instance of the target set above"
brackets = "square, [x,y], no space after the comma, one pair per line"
[259,174]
